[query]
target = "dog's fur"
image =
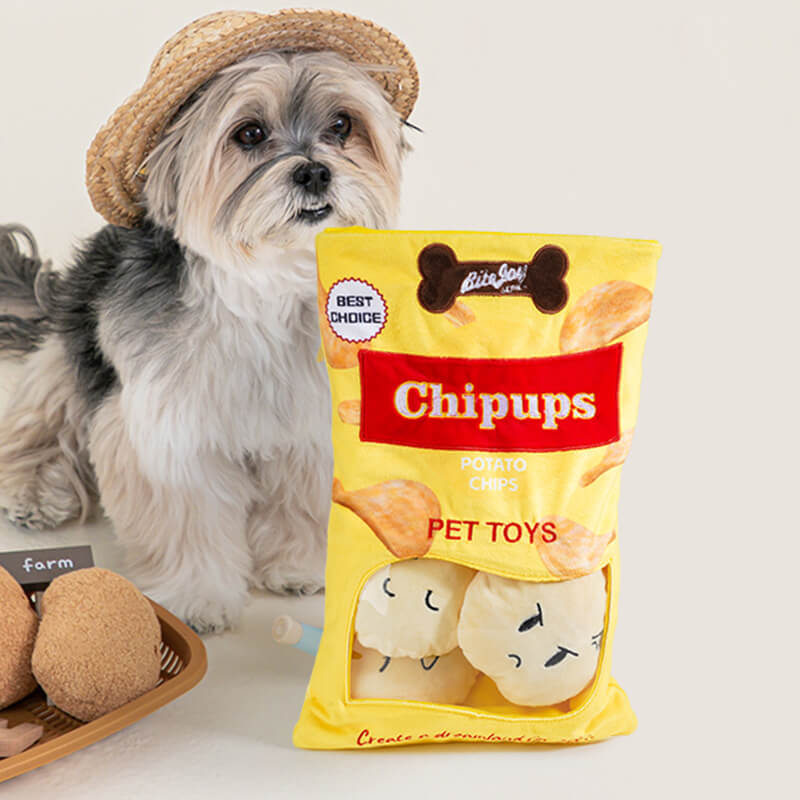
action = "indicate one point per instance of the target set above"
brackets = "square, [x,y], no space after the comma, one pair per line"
[174,367]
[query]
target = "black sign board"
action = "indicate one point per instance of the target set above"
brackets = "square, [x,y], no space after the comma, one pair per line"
[35,569]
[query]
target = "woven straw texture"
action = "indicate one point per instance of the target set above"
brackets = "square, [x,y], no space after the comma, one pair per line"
[194,54]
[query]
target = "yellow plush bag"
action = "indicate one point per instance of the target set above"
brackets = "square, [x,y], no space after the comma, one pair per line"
[485,389]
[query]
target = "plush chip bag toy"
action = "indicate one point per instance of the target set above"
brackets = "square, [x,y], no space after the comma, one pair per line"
[485,390]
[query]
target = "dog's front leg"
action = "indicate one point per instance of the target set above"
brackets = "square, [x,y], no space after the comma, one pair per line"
[287,524]
[184,537]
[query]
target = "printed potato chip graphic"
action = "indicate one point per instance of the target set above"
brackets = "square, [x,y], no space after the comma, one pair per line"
[460,314]
[397,511]
[605,313]
[575,551]
[339,353]
[615,455]
[350,412]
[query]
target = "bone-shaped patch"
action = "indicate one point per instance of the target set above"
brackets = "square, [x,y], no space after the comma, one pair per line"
[444,278]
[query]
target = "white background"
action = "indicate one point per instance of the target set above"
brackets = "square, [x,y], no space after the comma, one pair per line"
[677,121]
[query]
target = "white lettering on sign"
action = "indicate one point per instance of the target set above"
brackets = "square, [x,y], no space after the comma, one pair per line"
[29,565]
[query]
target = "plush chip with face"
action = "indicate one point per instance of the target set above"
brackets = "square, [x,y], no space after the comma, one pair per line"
[410,608]
[433,679]
[539,642]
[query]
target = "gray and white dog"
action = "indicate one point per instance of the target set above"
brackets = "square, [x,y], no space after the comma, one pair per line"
[173,368]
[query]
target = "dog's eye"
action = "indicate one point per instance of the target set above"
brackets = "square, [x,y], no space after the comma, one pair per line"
[342,126]
[249,135]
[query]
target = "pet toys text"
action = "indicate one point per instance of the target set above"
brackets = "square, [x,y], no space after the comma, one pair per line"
[464,529]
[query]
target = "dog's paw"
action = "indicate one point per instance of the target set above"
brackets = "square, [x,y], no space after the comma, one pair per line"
[33,510]
[30,516]
[277,582]
[210,620]
[203,626]
[24,518]
[301,589]
[207,616]
[210,617]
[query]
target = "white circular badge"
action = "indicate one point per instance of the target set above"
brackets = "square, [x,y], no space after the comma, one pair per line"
[356,310]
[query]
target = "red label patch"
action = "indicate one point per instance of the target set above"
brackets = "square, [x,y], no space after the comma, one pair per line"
[512,405]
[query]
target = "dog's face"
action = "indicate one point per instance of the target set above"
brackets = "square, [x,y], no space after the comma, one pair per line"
[271,151]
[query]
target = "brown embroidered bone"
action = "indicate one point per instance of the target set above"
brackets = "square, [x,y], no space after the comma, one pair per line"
[444,278]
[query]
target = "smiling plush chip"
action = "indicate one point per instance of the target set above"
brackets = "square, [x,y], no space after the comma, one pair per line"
[410,608]
[539,642]
[435,679]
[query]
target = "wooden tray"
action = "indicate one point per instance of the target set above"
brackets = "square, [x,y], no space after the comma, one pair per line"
[183,664]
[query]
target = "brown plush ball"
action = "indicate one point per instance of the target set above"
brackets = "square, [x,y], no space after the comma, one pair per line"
[18,624]
[98,645]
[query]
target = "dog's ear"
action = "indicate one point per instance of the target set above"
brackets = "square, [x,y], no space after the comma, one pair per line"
[162,172]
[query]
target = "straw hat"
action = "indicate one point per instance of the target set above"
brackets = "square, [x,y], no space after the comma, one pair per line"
[195,54]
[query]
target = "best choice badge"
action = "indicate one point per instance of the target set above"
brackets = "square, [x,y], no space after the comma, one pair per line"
[356,310]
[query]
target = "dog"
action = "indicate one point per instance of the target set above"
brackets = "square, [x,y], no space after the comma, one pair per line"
[172,369]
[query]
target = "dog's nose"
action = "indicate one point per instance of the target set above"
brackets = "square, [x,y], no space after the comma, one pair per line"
[313,176]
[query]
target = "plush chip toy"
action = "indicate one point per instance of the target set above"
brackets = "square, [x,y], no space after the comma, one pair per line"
[485,389]
[539,642]
[18,626]
[436,679]
[411,608]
